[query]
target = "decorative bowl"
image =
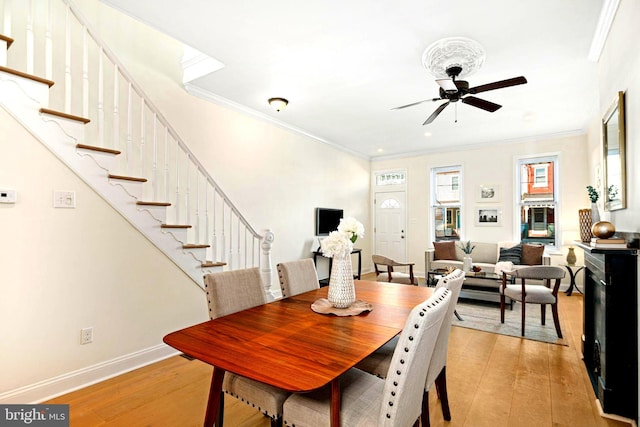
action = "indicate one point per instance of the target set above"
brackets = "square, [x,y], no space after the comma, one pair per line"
[603,229]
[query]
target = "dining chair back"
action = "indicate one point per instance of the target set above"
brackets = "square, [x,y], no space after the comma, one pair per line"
[385,270]
[367,400]
[297,277]
[544,294]
[230,292]
[438,367]
[409,366]
[378,362]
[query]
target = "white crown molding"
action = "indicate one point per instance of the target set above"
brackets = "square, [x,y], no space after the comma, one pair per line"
[608,12]
[220,100]
[485,144]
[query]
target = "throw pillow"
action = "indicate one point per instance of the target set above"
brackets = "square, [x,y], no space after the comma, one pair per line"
[512,254]
[532,254]
[444,250]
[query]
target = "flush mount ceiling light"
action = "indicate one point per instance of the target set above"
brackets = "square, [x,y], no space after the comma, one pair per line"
[453,52]
[278,104]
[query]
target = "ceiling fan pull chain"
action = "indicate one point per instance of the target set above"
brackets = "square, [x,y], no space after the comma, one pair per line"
[456,113]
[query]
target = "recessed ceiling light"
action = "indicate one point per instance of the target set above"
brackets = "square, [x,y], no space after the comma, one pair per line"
[427,134]
[380,150]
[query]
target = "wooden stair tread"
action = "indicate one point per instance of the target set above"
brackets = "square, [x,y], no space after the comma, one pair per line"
[9,40]
[194,246]
[213,264]
[64,115]
[27,76]
[101,149]
[127,178]
[143,203]
[175,226]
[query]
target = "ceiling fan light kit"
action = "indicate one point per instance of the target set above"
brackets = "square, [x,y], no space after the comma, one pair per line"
[455,57]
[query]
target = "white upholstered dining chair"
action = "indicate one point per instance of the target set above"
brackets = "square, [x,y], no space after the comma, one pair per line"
[367,400]
[533,293]
[229,292]
[378,362]
[297,277]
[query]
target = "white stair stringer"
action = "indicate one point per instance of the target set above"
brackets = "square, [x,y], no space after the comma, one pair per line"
[61,137]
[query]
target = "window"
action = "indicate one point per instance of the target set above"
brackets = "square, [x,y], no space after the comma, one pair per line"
[390,204]
[538,199]
[446,197]
[390,178]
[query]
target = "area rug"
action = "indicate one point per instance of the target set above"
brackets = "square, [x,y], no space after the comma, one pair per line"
[485,316]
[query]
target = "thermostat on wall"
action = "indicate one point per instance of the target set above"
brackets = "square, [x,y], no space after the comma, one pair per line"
[7,196]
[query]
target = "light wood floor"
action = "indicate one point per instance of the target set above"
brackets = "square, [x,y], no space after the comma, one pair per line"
[493,381]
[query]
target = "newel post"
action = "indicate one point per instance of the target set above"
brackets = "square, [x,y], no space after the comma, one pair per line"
[265,265]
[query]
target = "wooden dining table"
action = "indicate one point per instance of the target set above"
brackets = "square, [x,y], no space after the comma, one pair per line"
[288,345]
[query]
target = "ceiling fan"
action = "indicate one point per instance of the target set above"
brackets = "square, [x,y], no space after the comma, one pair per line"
[458,90]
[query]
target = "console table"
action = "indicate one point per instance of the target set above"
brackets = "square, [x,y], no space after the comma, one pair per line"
[610,340]
[325,281]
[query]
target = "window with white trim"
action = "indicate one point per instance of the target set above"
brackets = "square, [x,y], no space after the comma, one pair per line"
[538,199]
[446,202]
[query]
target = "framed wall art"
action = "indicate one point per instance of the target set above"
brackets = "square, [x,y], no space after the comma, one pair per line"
[489,193]
[488,216]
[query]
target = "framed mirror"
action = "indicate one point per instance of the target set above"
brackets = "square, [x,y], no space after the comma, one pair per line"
[614,163]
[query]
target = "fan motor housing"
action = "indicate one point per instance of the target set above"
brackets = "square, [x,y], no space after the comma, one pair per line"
[463,89]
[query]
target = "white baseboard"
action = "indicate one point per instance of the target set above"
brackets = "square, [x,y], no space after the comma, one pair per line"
[71,381]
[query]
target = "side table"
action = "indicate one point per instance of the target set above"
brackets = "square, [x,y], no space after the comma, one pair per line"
[573,273]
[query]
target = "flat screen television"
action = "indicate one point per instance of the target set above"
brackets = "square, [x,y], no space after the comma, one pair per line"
[327,220]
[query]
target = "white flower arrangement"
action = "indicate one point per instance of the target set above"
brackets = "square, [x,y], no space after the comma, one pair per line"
[340,242]
[352,227]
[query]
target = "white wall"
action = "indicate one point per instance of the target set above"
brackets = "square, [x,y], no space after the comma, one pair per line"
[492,164]
[67,269]
[618,70]
[64,270]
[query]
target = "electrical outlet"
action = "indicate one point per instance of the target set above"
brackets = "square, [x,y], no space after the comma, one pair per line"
[86,336]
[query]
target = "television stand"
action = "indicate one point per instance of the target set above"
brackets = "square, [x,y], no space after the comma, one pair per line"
[325,281]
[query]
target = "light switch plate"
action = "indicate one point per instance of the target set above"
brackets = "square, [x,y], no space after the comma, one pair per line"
[64,199]
[8,196]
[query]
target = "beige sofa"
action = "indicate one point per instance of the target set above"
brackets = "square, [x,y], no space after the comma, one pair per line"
[484,255]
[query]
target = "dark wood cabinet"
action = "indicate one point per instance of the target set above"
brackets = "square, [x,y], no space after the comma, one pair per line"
[610,341]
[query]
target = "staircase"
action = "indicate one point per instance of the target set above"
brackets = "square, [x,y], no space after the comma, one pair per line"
[100,123]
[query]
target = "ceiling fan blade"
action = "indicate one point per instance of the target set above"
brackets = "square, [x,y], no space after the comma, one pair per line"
[447,85]
[433,116]
[498,85]
[481,103]
[416,103]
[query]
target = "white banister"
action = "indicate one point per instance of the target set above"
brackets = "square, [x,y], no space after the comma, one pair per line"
[48,74]
[67,61]
[85,73]
[30,38]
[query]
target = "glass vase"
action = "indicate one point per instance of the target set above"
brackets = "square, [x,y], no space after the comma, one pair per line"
[342,291]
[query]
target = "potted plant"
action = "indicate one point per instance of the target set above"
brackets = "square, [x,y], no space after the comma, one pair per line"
[467,249]
[594,196]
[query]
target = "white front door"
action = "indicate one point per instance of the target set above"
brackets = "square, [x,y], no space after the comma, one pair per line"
[390,225]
